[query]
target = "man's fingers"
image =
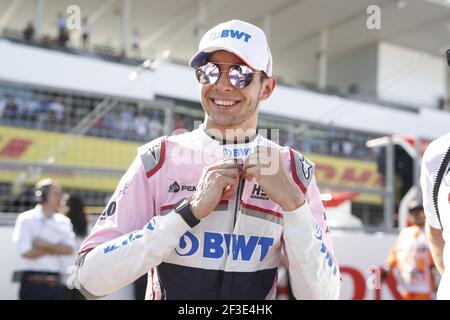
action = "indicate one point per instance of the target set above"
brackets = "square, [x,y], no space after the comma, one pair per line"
[261,155]
[246,166]
[230,172]
[229,190]
[260,165]
[225,164]
[225,181]
[252,172]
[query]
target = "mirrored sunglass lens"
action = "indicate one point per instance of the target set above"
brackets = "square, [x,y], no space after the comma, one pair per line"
[235,77]
[240,76]
[201,76]
[212,72]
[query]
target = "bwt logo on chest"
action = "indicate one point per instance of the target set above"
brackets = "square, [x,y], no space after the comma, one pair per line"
[236,153]
[235,34]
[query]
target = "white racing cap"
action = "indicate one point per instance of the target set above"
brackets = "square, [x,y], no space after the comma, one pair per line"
[243,39]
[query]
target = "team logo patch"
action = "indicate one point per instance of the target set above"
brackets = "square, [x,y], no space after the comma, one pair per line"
[237,153]
[306,168]
[174,187]
[214,36]
[258,193]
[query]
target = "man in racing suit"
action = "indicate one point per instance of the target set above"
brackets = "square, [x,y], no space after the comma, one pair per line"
[207,213]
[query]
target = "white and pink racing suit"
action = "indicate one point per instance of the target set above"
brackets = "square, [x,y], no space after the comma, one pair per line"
[233,253]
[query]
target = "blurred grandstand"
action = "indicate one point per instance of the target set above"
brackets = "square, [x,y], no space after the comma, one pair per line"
[76,110]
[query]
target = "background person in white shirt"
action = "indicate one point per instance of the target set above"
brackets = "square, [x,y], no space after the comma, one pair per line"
[43,236]
[85,33]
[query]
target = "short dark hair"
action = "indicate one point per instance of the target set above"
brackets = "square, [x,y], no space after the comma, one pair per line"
[448,57]
[42,188]
[262,76]
[416,208]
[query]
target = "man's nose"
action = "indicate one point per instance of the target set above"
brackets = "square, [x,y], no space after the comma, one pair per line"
[223,83]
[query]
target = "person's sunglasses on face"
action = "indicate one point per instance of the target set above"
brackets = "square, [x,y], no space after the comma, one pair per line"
[239,75]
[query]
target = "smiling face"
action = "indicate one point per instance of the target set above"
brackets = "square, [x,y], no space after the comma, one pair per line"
[227,107]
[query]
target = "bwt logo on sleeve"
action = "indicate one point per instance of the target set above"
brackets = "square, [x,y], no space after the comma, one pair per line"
[235,34]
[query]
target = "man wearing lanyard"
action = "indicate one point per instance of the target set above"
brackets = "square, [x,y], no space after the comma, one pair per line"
[208,213]
[42,236]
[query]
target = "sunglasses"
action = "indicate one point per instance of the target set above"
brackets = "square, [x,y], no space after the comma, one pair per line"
[239,75]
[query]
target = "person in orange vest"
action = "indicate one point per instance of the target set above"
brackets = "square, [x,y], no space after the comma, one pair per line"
[411,256]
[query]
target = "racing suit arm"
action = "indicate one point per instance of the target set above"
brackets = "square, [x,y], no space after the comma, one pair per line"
[312,272]
[128,239]
[120,261]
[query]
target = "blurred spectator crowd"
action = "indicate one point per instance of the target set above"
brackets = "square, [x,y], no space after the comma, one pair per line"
[81,39]
[126,122]
[130,121]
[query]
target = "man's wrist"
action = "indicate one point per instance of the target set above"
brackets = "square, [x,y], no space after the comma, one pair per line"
[292,204]
[194,210]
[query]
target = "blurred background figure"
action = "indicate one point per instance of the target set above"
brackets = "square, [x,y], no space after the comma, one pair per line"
[85,33]
[10,109]
[155,126]
[63,38]
[56,111]
[73,208]
[28,32]
[412,258]
[60,22]
[43,236]
[141,126]
[136,43]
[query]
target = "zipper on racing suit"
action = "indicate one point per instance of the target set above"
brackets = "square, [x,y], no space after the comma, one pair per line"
[239,193]
[240,187]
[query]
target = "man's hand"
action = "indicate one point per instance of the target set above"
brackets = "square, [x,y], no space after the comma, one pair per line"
[267,167]
[39,243]
[51,248]
[218,181]
[38,250]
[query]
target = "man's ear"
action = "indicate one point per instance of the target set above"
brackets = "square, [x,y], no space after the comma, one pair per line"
[268,86]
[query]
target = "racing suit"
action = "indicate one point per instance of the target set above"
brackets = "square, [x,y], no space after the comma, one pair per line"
[233,253]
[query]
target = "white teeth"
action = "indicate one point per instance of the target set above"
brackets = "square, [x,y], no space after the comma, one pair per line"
[224,102]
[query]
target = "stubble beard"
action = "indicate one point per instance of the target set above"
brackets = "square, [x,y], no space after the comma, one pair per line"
[236,121]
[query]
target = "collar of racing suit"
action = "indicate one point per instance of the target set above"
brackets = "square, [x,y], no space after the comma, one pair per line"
[227,149]
[247,139]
